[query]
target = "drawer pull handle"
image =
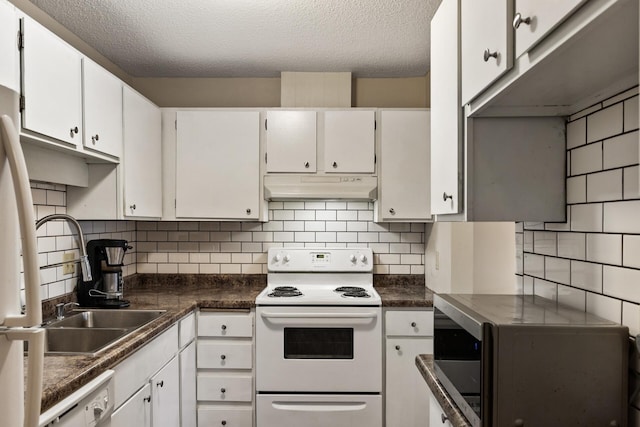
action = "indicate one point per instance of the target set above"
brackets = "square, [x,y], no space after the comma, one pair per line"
[224,423]
[392,211]
[398,347]
[518,20]
[443,418]
[488,54]
[160,384]
[74,131]
[446,196]
[223,327]
[413,324]
[223,357]
[306,165]
[335,165]
[223,390]
[95,138]
[147,399]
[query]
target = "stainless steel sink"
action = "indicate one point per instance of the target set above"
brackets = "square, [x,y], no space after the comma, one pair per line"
[81,341]
[95,319]
[92,331]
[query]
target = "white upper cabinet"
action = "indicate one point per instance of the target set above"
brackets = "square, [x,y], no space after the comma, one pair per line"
[349,141]
[102,110]
[218,164]
[534,19]
[487,43]
[52,85]
[291,141]
[446,113]
[9,69]
[404,169]
[142,156]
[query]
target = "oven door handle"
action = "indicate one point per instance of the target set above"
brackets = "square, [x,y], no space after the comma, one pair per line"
[276,315]
[319,406]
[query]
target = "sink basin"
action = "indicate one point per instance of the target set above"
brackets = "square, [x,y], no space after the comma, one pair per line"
[92,331]
[96,319]
[81,341]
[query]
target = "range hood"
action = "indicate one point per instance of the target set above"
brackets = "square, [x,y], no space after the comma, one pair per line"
[331,187]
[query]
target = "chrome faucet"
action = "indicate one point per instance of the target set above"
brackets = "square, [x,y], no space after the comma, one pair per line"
[60,308]
[84,259]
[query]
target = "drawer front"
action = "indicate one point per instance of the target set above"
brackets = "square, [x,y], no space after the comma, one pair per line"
[237,417]
[409,323]
[187,329]
[221,388]
[217,324]
[217,355]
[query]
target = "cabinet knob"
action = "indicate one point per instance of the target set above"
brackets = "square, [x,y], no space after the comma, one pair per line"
[306,165]
[74,131]
[413,324]
[443,418]
[223,357]
[335,165]
[224,423]
[488,54]
[518,20]
[223,327]
[95,138]
[398,347]
[223,390]
[160,384]
[446,196]
[147,399]
[132,207]
[248,211]
[392,211]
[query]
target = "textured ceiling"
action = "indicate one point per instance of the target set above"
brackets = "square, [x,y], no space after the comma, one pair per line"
[253,38]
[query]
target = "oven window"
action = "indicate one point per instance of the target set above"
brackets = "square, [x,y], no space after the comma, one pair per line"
[318,343]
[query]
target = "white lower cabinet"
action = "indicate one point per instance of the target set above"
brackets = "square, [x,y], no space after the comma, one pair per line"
[134,412]
[225,385]
[165,395]
[188,385]
[437,418]
[408,334]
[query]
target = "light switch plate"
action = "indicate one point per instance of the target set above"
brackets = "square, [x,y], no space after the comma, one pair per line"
[69,268]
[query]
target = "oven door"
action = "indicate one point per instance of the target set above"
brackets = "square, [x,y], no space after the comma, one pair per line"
[319,410]
[318,349]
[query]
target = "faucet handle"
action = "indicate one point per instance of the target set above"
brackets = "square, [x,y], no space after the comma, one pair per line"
[61,307]
[86,268]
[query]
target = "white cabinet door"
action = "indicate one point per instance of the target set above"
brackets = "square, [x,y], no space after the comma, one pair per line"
[134,412]
[102,109]
[404,169]
[487,43]
[218,164]
[534,19]
[52,85]
[291,141]
[406,392]
[9,68]
[165,395]
[188,386]
[437,418]
[446,113]
[142,156]
[349,141]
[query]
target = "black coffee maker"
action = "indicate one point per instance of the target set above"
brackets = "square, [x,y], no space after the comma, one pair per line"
[106,258]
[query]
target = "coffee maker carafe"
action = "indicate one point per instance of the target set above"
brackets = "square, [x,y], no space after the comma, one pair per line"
[106,257]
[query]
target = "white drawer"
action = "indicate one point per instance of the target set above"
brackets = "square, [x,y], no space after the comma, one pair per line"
[220,324]
[409,323]
[187,329]
[237,417]
[224,388]
[218,355]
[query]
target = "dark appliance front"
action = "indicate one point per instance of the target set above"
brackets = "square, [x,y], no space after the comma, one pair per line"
[105,290]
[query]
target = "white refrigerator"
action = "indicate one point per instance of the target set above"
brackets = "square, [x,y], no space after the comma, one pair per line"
[18,406]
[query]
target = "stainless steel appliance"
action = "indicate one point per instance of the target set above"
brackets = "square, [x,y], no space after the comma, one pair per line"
[106,257]
[319,340]
[510,360]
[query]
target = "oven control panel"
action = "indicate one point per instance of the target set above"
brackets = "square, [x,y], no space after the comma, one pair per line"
[327,260]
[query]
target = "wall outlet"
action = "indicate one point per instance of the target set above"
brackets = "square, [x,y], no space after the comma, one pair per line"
[69,268]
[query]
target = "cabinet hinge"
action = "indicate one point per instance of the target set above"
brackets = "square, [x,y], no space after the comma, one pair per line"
[175,203]
[265,157]
[375,159]
[375,125]
[20,40]
[23,103]
[265,124]
[176,124]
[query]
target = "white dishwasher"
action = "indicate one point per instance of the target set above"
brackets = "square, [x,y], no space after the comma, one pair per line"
[89,406]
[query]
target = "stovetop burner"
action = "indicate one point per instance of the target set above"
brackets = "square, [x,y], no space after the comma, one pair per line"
[349,289]
[356,294]
[285,291]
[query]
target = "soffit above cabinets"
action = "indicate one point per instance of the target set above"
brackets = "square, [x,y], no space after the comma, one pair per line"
[253,38]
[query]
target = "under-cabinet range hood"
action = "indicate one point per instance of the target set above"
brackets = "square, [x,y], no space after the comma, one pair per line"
[331,187]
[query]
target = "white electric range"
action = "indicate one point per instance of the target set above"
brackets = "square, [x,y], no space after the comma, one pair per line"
[319,340]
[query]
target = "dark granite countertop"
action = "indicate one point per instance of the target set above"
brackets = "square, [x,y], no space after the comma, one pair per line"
[179,295]
[424,362]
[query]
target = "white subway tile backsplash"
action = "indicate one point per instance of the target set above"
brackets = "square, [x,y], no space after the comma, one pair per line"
[587,276]
[622,217]
[545,289]
[557,270]
[631,317]
[586,217]
[572,245]
[544,242]
[586,159]
[622,283]
[572,297]
[577,189]
[577,133]
[620,151]
[167,268]
[604,186]
[604,248]
[603,306]
[534,265]
[631,114]
[604,123]
[585,112]
[631,251]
